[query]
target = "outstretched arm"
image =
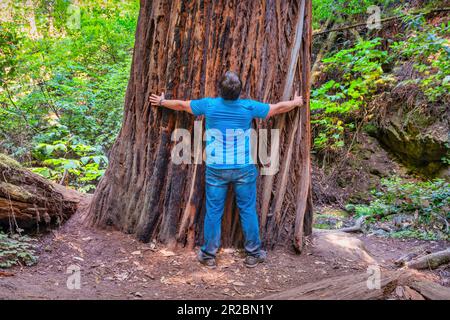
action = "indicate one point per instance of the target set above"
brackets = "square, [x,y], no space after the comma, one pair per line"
[178,105]
[285,106]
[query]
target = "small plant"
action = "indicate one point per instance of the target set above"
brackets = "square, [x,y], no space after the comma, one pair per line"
[16,250]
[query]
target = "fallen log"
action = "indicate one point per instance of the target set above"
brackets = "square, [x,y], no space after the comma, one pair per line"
[410,285]
[410,255]
[431,290]
[349,287]
[358,226]
[430,261]
[30,202]
[407,293]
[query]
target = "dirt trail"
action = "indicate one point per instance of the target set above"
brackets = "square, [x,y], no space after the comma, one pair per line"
[113,265]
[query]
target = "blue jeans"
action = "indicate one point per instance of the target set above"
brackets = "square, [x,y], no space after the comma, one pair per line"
[244,183]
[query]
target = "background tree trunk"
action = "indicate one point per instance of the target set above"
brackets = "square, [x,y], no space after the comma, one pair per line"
[182,48]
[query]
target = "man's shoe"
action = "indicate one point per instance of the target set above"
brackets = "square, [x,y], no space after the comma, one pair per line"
[252,261]
[208,262]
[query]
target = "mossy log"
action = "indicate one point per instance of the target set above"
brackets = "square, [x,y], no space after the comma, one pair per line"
[30,202]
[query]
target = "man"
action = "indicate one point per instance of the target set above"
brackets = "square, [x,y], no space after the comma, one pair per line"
[230,163]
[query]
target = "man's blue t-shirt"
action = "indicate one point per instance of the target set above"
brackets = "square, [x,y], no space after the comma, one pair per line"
[228,130]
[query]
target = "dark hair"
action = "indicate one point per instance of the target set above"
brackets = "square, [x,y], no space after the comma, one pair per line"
[230,86]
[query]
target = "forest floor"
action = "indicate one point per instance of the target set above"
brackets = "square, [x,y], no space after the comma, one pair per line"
[114,265]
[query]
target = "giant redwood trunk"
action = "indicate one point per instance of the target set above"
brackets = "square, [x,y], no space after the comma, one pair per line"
[182,48]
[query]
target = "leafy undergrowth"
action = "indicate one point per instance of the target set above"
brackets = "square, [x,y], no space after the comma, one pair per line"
[355,74]
[63,85]
[64,157]
[429,49]
[16,250]
[352,79]
[401,209]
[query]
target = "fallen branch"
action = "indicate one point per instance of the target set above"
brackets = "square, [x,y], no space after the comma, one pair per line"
[6,274]
[410,255]
[357,227]
[430,261]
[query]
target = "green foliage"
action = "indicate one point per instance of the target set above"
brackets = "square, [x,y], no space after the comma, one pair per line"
[9,41]
[415,234]
[376,208]
[64,77]
[337,10]
[360,72]
[427,202]
[430,50]
[65,155]
[355,75]
[16,250]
